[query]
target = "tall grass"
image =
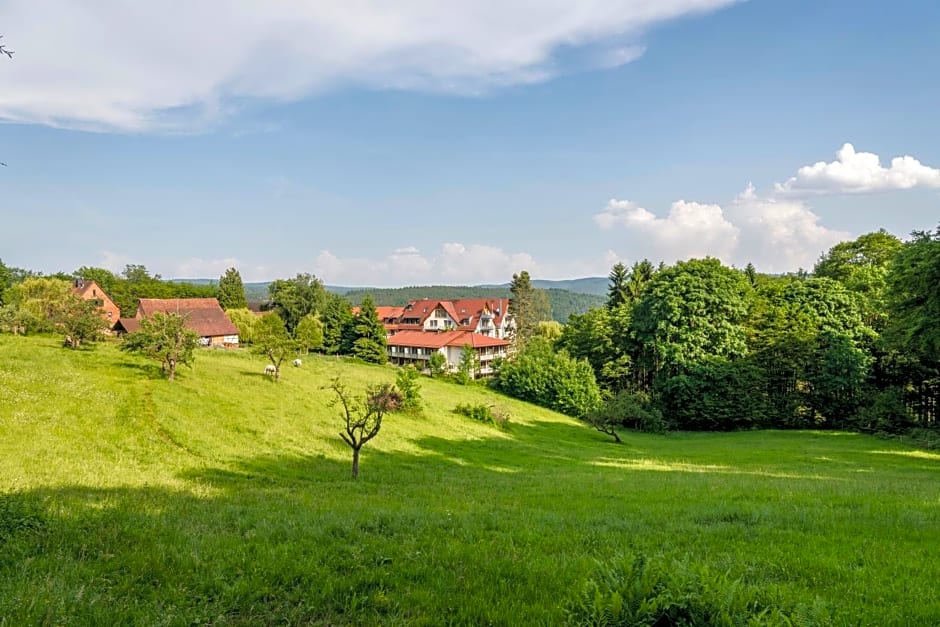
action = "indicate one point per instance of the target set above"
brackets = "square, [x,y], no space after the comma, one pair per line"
[224,498]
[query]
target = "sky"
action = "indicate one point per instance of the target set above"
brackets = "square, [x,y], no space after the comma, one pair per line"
[430,142]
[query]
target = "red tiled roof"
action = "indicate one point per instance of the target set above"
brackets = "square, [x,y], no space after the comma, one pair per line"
[432,339]
[130,325]
[460,310]
[203,315]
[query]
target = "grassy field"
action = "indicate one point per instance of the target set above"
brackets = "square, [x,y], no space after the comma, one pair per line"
[223,498]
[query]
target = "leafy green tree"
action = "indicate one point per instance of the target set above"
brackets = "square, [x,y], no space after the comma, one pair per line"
[549,329]
[837,376]
[273,341]
[81,320]
[690,312]
[528,307]
[42,300]
[603,337]
[626,410]
[913,295]
[232,291]
[369,344]
[468,367]
[862,266]
[137,273]
[618,291]
[246,321]
[363,415]
[6,280]
[715,395]
[309,333]
[337,320]
[406,380]
[292,299]
[102,276]
[555,380]
[164,337]
[437,364]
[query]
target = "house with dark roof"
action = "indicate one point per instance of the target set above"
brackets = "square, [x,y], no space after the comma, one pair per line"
[202,315]
[415,347]
[90,290]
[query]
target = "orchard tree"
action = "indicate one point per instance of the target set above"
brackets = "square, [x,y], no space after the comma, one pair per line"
[42,299]
[232,291]
[363,415]
[164,337]
[273,341]
[81,320]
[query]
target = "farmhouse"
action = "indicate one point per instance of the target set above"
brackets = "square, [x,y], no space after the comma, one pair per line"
[416,347]
[90,290]
[483,316]
[202,315]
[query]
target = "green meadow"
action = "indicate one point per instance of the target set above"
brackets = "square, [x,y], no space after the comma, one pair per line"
[223,498]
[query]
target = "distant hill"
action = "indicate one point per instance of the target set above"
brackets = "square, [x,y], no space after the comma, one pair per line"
[595,285]
[574,296]
[563,302]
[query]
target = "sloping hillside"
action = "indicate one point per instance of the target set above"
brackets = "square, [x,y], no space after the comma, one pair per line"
[224,498]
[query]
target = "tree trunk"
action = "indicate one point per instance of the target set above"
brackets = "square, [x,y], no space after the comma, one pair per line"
[172,369]
[355,468]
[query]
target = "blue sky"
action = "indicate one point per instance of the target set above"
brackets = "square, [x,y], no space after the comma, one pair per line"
[461,142]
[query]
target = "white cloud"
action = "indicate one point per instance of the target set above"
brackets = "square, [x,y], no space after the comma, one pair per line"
[454,263]
[690,229]
[779,235]
[775,235]
[178,64]
[859,172]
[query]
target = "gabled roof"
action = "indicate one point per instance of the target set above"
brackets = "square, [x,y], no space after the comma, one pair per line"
[203,315]
[432,339]
[127,325]
[465,312]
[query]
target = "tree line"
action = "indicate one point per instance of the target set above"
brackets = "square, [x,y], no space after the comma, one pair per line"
[854,344]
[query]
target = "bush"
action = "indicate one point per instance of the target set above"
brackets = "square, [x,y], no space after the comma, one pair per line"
[631,410]
[638,592]
[487,414]
[407,383]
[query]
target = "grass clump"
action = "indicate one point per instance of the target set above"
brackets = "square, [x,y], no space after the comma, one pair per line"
[638,592]
[487,414]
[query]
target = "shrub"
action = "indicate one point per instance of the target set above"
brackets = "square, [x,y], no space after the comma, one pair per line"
[887,413]
[716,395]
[407,383]
[630,410]
[487,414]
[638,592]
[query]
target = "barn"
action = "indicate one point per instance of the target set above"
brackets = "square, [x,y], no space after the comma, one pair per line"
[202,315]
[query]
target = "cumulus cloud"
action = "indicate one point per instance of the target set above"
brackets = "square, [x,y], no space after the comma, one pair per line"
[141,66]
[859,172]
[776,235]
[690,229]
[454,263]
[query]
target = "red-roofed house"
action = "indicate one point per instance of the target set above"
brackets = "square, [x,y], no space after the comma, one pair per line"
[202,315]
[484,316]
[90,290]
[416,347]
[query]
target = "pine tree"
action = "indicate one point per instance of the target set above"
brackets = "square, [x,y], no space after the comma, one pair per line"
[369,342]
[232,290]
[617,290]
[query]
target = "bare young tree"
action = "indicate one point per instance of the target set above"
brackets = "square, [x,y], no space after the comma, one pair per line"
[5,50]
[363,415]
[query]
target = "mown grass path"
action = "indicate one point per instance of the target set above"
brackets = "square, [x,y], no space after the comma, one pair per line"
[223,498]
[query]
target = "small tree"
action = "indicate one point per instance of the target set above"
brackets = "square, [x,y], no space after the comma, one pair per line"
[407,382]
[246,321]
[363,416]
[272,341]
[164,337]
[437,363]
[469,365]
[81,320]
[309,333]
